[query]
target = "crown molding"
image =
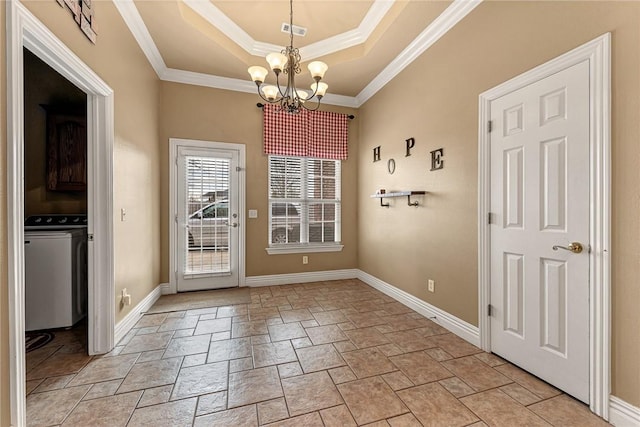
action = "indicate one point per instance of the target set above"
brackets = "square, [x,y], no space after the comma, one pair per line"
[438,28]
[136,25]
[237,85]
[229,28]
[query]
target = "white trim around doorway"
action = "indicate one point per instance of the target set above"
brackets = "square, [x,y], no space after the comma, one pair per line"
[25,31]
[598,53]
[174,144]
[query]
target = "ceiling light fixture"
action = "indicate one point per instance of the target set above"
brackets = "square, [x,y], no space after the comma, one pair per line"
[288,61]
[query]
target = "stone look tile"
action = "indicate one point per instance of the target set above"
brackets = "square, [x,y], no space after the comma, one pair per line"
[456,386]
[528,381]
[201,379]
[344,346]
[245,416]
[111,411]
[213,326]
[329,317]
[496,408]
[301,342]
[194,360]
[107,388]
[286,331]
[390,350]
[565,411]
[420,368]
[154,396]
[367,337]
[289,370]
[397,380]
[433,405]
[52,407]
[368,362]
[148,342]
[520,394]
[175,323]
[148,356]
[273,354]
[54,383]
[475,373]
[365,320]
[406,420]
[310,392]
[272,411]
[490,359]
[371,400]
[307,420]
[325,334]
[438,354]
[238,365]
[187,346]
[338,416]
[59,364]
[151,374]
[151,320]
[105,369]
[299,315]
[213,402]
[247,329]
[253,386]
[32,385]
[319,357]
[230,349]
[452,344]
[408,341]
[175,414]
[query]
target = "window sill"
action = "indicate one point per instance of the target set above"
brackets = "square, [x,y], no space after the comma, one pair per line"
[303,249]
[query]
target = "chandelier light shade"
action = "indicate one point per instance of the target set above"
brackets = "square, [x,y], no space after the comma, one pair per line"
[287,62]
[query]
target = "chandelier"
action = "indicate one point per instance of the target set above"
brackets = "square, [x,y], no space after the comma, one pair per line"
[288,61]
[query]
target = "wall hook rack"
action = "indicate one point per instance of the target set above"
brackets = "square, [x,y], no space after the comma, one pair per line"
[408,194]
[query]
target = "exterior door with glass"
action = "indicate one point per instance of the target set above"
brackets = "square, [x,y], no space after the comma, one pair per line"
[207,218]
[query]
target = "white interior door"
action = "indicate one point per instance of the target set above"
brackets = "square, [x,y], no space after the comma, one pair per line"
[540,199]
[207,219]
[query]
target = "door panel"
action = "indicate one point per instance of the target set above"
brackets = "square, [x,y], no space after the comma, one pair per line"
[208,237]
[540,195]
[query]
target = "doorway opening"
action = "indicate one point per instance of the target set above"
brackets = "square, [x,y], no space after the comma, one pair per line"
[25,31]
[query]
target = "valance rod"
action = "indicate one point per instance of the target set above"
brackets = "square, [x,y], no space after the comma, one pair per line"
[260,105]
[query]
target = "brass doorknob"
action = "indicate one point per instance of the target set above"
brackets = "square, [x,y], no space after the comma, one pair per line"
[575,247]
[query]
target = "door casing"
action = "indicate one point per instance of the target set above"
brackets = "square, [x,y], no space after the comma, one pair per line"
[25,30]
[174,144]
[598,53]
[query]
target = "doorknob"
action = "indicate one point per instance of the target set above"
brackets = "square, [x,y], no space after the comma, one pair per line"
[575,247]
[234,225]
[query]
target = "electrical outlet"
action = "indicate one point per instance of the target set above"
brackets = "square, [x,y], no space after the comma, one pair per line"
[431,285]
[305,259]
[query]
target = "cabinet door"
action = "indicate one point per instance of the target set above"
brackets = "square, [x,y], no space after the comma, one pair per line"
[66,152]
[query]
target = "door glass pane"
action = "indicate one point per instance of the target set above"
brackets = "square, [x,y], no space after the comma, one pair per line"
[208,231]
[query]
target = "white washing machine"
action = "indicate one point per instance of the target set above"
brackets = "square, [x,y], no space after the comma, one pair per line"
[55,274]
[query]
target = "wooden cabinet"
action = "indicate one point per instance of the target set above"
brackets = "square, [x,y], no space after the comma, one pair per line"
[66,151]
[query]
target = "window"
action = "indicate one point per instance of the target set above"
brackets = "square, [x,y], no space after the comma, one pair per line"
[304,202]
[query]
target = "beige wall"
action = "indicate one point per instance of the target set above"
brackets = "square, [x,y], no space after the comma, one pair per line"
[435,100]
[44,86]
[217,115]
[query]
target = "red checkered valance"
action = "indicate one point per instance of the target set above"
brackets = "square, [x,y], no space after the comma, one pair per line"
[318,134]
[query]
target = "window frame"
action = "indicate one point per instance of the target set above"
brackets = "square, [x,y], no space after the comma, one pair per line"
[304,246]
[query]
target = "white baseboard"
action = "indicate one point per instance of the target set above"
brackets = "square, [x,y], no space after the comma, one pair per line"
[129,321]
[459,327]
[312,276]
[165,288]
[623,414]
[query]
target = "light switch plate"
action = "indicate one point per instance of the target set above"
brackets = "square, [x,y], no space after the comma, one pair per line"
[253,213]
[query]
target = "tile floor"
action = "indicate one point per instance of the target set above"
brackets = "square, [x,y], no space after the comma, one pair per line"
[334,353]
